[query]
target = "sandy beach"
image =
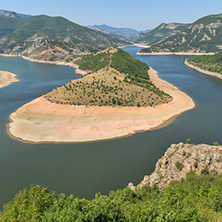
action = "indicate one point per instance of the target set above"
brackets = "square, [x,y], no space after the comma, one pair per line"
[6,78]
[78,71]
[41,121]
[218,75]
[174,53]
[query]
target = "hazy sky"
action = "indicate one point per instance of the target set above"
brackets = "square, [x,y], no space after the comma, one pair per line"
[137,14]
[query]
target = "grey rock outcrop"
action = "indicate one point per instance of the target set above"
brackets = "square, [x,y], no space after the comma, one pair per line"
[181,159]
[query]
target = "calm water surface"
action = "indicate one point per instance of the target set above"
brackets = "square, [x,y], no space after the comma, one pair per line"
[84,169]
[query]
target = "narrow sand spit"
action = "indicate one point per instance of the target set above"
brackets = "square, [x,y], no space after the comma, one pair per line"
[6,78]
[78,71]
[42,121]
[216,74]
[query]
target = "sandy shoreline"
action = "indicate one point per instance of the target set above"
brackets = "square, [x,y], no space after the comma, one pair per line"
[41,121]
[7,78]
[218,75]
[174,53]
[78,71]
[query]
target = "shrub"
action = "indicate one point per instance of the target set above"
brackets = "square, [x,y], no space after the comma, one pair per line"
[195,164]
[188,141]
[179,166]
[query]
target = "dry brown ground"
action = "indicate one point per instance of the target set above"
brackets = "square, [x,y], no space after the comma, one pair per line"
[43,121]
[6,78]
[105,88]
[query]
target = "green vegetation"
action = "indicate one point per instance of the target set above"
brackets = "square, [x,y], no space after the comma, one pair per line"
[115,79]
[211,63]
[117,59]
[19,34]
[195,164]
[204,35]
[179,166]
[188,141]
[197,198]
[94,62]
[160,33]
[216,144]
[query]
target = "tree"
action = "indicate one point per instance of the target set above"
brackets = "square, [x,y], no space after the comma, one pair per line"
[188,141]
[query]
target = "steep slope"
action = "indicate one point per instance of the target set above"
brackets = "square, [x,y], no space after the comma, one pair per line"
[116,78]
[122,33]
[204,35]
[45,37]
[180,159]
[159,34]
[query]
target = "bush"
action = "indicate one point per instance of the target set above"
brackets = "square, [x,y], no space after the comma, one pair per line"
[179,166]
[195,164]
[188,141]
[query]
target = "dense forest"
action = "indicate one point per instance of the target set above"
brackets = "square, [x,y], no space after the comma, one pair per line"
[197,198]
[211,63]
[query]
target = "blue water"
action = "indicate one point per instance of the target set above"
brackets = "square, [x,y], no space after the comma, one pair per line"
[87,168]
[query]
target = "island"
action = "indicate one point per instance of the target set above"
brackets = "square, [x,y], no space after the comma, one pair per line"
[118,97]
[7,78]
[210,65]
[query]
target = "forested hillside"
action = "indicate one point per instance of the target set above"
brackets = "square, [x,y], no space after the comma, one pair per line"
[198,198]
[45,37]
[204,35]
[211,63]
[159,34]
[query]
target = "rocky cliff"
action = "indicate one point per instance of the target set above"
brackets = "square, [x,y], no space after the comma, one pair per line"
[181,159]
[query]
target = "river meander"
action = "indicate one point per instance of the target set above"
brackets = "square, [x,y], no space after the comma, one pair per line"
[87,168]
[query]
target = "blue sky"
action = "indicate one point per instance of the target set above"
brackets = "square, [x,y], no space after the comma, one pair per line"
[137,14]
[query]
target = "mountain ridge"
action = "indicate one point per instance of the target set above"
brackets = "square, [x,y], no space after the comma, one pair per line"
[123,33]
[49,38]
[159,34]
[13,14]
[202,36]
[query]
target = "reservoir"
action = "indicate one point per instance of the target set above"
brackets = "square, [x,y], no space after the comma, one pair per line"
[87,168]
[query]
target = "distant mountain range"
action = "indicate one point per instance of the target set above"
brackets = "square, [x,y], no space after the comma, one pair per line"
[204,35]
[45,37]
[159,34]
[12,14]
[122,33]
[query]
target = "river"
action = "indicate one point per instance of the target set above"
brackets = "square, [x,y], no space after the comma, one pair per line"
[86,168]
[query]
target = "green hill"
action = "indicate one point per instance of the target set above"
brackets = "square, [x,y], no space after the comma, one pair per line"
[115,79]
[159,34]
[211,63]
[204,35]
[42,37]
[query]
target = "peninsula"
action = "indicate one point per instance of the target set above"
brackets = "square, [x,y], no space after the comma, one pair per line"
[118,97]
[7,78]
[210,65]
